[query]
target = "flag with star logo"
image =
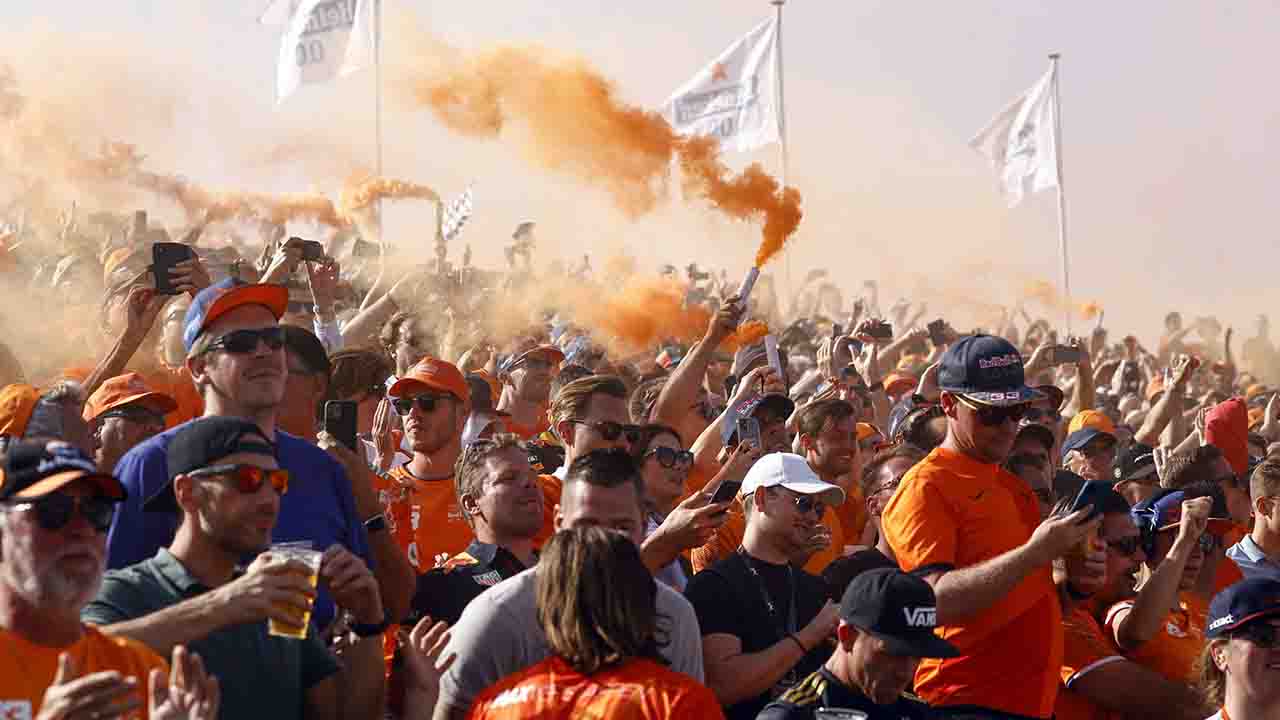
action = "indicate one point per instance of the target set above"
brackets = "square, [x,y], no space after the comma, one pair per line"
[734,97]
[1021,142]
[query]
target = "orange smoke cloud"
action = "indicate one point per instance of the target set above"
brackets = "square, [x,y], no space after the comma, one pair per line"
[362,192]
[751,331]
[572,122]
[642,313]
[1047,295]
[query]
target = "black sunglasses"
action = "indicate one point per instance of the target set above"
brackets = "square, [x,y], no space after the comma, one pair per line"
[1125,546]
[1263,634]
[611,431]
[1033,414]
[670,457]
[53,512]
[425,402]
[135,414]
[806,504]
[247,479]
[992,414]
[243,342]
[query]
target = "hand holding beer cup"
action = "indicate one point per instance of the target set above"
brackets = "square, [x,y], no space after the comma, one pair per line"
[352,585]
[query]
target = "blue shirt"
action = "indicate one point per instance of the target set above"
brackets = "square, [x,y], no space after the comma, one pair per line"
[1252,561]
[318,507]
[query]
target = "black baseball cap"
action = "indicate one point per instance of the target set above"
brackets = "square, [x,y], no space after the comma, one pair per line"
[1136,462]
[897,608]
[201,443]
[987,370]
[32,470]
[1241,604]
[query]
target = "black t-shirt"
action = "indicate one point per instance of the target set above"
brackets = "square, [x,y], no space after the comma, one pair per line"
[729,599]
[824,690]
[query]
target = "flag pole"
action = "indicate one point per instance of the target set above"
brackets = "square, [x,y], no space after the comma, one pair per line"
[782,127]
[1062,193]
[377,99]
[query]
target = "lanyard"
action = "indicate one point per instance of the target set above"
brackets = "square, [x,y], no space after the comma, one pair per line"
[790,627]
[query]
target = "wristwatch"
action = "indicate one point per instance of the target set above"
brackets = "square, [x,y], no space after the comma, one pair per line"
[377,523]
[362,630]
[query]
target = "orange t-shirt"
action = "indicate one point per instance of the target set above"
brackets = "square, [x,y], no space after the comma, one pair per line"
[729,536]
[526,432]
[27,670]
[952,511]
[1228,572]
[636,690]
[853,515]
[423,516]
[1086,648]
[1174,649]
[550,486]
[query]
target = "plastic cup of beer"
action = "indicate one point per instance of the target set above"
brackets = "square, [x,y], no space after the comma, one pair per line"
[305,553]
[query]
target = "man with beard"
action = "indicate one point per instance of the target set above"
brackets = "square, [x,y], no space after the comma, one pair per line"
[422,508]
[1098,682]
[526,389]
[236,357]
[501,501]
[227,487]
[55,508]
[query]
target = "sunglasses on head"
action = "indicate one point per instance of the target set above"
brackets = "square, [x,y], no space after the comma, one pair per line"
[611,431]
[54,511]
[243,342]
[1125,546]
[248,479]
[1263,634]
[425,402]
[670,457]
[992,414]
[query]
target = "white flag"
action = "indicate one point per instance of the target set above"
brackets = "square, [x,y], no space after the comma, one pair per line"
[322,39]
[456,214]
[1022,143]
[735,97]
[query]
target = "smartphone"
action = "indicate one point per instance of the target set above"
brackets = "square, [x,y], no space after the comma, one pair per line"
[1088,496]
[312,251]
[771,350]
[340,421]
[749,432]
[1066,355]
[164,255]
[825,713]
[938,331]
[727,491]
[881,331]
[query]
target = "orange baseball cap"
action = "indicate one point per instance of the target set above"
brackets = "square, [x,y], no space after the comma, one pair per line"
[1256,416]
[1092,419]
[898,383]
[436,375]
[222,297]
[124,390]
[17,402]
[866,430]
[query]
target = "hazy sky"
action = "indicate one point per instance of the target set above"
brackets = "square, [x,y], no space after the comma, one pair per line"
[1167,111]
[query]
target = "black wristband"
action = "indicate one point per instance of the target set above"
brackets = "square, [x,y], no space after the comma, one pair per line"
[1076,594]
[796,640]
[363,630]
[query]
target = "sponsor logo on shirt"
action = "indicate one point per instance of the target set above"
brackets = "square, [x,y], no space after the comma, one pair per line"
[15,710]
[925,617]
[488,579]
[514,696]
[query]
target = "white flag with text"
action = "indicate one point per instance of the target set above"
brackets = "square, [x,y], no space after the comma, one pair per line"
[322,39]
[1022,143]
[735,97]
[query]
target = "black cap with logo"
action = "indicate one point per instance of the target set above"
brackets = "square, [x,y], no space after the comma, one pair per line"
[987,370]
[199,444]
[899,609]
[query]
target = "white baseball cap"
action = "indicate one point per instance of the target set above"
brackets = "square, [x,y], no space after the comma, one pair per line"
[793,473]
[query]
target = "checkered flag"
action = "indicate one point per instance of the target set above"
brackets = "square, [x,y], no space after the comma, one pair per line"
[457,214]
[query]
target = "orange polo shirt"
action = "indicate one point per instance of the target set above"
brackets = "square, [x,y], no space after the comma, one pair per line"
[1176,646]
[635,690]
[423,517]
[1086,648]
[27,670]
[952,511]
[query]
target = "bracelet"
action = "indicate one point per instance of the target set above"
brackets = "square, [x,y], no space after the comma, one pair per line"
[796,640]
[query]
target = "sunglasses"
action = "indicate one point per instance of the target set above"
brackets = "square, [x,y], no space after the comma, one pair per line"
[244,342]
[1264,635]
[135,414]
[806,504]
[1034,414]
[993,415]
[889,486]
[611,431]
[670,457]
[53,512]
[1126,546]
[425,402]
[248,479]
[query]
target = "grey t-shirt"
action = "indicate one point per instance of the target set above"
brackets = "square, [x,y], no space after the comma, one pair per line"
[260,675]
[498,634]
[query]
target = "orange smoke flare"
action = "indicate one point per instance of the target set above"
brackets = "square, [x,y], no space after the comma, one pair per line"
[643,313]
[362,192]
[573,123]
[1047,295]
[751,331]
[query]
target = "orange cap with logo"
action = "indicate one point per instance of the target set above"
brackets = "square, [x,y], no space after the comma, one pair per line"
[124,390]
[435,375]
[17,402]
[1092,419]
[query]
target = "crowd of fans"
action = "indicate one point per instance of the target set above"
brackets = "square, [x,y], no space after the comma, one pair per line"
[297,489]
